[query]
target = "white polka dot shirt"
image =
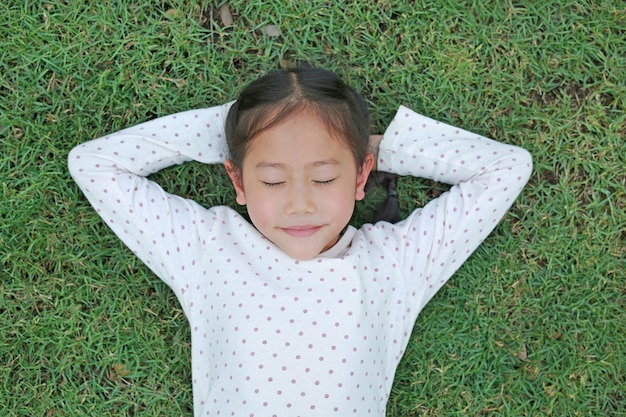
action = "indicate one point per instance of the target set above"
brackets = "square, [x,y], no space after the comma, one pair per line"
[275,336]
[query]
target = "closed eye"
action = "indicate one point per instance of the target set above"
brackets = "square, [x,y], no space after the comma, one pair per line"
[327,182]
[277,184]
[272,184]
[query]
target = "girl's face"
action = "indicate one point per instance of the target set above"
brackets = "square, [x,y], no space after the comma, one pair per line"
[300,185]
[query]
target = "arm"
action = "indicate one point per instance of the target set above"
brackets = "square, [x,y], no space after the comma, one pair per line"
[486,177]
[160,228]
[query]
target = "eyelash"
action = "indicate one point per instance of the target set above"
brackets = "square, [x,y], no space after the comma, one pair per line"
[271,184]
[276,184]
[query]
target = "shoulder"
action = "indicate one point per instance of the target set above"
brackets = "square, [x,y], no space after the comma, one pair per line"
[381,236]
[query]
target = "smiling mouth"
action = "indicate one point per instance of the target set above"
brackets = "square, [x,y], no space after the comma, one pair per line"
[301,231]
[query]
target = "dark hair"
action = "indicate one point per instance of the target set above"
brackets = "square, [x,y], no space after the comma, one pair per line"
[272,98]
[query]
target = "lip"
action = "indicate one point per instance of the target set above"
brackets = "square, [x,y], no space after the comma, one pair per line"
[301,230]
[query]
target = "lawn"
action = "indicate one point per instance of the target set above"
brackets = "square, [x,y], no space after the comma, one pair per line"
[533,324]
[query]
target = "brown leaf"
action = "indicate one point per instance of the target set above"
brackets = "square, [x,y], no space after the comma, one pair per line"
[522,354]
[271,30]
[119,371]
[172,14]
[287,63]
[226,15]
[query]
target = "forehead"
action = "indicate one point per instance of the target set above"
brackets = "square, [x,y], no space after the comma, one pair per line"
[300,137]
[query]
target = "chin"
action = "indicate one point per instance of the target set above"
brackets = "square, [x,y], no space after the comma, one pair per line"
[301,256]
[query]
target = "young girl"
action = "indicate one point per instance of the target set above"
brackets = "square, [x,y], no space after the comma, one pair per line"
[298,313]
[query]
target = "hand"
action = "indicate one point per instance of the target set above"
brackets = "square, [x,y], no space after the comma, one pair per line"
[374,142]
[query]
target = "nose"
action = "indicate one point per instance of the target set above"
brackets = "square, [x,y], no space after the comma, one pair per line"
[300,200]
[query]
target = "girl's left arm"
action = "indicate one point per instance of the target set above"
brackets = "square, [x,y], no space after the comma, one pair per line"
[486,177]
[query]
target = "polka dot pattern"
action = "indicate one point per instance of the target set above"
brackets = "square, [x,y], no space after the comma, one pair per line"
[274,336]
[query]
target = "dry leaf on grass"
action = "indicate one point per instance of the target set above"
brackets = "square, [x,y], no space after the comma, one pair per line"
[226,15]
[522,354]
[271,30]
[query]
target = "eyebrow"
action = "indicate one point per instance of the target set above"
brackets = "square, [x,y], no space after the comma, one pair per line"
[279,165]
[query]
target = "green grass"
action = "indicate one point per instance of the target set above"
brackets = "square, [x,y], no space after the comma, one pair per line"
[533,324]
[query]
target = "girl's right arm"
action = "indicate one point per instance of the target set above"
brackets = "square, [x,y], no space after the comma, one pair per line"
[160,228]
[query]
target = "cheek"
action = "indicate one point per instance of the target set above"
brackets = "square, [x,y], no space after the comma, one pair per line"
[260,207]
[342,200]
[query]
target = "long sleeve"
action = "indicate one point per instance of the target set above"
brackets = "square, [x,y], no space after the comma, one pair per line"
[486,177]
[112,171]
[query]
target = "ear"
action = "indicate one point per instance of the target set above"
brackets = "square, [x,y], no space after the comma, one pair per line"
[235,176]
[362,176]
